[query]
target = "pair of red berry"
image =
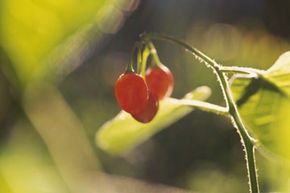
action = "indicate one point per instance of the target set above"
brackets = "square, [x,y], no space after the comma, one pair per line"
[140,97]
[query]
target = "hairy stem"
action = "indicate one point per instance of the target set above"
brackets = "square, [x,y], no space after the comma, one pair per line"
[246,140]
[198,54]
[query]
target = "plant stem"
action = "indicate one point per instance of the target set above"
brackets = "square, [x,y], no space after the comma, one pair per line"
[142,64]
[243,70]
[153,53]
[130,68]
[198,54]
[246,140]
[204,106]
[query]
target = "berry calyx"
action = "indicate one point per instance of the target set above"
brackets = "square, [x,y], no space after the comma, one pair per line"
[131,92]
[160,81]
[149,112]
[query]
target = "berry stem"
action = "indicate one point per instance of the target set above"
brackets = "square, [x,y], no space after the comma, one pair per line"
[247,141]
[153,53]
[137,46]
[129,68]
[144,56]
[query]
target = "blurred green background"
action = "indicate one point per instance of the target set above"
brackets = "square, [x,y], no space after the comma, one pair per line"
[59,61]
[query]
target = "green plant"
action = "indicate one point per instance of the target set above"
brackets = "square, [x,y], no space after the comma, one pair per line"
[255,102]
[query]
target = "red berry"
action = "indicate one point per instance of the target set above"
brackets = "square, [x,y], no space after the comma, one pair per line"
[131,92]
[149,112]
[160,81]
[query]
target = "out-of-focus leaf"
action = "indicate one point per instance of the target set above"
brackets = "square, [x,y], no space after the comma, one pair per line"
[123,132]
[41,36]
[25,165]
[265,106]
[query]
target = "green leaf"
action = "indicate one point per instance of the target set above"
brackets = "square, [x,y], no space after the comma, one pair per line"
[265,106]
[279,73]
[123,132]
[45,38]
